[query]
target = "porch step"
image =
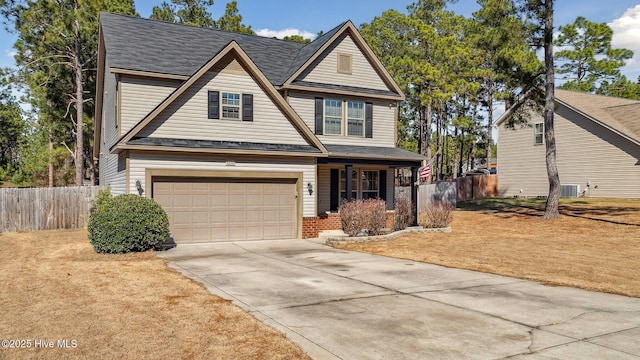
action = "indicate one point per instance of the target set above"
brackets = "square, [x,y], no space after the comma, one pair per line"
[331,233]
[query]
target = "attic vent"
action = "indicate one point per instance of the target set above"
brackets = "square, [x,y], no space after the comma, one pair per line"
[344,63]
[569,191]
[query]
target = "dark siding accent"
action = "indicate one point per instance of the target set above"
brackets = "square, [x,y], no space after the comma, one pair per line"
[214,104]
[247,107]
[348,173]
[382,192]
[319,115]
[335,189]
[368,120]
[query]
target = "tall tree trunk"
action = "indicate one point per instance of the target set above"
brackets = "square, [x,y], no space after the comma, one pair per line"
[490,93]
[50,158]
[79,160]
[551,210]
[474,124]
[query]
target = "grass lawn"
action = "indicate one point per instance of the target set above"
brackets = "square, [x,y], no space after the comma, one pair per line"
[595,245]
[55,287]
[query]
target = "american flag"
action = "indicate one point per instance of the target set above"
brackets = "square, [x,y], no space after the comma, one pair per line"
[425,173]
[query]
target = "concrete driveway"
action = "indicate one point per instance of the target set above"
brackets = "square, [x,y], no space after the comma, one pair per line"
[345,305]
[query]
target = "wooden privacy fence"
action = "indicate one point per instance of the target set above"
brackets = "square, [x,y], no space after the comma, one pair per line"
[477,187]
[440,192]
[36,209]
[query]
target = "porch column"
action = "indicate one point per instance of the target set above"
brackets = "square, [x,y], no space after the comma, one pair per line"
[348,173]
[414,194]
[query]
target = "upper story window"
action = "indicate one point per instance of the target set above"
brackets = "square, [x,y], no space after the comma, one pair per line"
[230,105]
[344,117]
[538,130]
[344,63]
[333,117]
[355,118]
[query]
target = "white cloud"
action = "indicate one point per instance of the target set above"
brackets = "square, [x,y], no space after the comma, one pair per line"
[11,53]
[626,34]
[286,32]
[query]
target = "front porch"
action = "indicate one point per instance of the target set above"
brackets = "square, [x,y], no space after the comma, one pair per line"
[371,174]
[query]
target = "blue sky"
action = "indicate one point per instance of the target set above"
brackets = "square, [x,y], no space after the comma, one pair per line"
[307,17]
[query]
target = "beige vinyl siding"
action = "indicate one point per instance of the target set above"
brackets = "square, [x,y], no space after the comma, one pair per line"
[325,69]
[111,174]
[140,162]
[383,121]
[585,152]
[187,117]
[138,96]
[324,185]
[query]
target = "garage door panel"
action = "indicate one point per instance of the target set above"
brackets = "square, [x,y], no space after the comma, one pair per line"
[200,218]
[228,209]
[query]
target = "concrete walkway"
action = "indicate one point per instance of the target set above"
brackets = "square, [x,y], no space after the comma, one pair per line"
[345,305]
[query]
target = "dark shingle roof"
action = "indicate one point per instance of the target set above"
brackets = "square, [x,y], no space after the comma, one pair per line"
[372,152]
[224,145]
[155,46]
[344,88]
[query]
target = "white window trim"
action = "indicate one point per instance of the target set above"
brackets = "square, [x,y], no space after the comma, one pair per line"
[344,121]
[364,118]
[222,106]
[324,116]
[535,134]
[358,190]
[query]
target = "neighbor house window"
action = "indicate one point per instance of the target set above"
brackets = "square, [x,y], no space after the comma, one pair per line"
[355,118]
[538,129]
[230,105]
[332,117]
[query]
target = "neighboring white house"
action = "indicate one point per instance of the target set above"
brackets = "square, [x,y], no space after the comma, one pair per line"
[242,137]
[598,149]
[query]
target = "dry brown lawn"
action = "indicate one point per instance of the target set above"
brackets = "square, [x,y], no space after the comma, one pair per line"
[55,287]
[595,245]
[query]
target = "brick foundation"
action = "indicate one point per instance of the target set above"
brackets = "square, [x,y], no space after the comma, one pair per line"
[312,226]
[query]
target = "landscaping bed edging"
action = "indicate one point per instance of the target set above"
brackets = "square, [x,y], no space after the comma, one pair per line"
[344,240]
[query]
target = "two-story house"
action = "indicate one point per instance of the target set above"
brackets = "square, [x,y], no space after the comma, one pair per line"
[597,149]
[243,137]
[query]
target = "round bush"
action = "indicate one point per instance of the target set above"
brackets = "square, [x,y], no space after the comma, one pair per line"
[127,223]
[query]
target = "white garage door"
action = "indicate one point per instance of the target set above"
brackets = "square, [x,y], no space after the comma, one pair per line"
[203,210]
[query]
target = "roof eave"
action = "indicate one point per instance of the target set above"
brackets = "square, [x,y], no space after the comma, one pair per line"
[124,147]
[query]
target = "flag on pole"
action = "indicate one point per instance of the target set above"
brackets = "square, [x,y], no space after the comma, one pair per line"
[425,173]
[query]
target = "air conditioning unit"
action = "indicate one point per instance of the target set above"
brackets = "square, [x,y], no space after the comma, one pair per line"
[569,191]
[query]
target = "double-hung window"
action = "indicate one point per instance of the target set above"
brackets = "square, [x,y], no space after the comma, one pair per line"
[355,118]
[230,106]
[333,117]
[343,117]
[538,130]
[369,184]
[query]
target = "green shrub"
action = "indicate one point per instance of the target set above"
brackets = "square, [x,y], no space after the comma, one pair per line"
[363,215]
[102,197]
[438,215]
[127,223]
[403,213]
